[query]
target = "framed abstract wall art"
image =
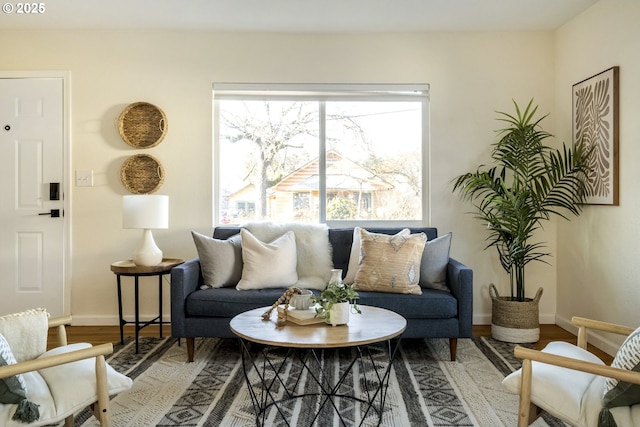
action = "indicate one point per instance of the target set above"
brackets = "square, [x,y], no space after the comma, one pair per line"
[595,120]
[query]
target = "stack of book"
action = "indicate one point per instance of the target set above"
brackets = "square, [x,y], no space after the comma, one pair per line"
[301,317]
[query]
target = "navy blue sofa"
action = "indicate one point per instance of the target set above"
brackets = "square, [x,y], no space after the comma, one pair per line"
[199,312]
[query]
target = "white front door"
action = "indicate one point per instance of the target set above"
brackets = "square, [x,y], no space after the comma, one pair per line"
[32,232]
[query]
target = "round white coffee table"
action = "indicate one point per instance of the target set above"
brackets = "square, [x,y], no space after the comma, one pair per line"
[279,356]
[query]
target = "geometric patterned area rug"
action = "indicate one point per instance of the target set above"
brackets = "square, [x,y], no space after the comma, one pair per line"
[425,387]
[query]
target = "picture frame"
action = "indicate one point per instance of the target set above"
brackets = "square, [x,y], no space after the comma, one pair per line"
[595,119]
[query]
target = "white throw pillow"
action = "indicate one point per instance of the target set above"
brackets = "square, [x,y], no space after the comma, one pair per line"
[354,258]
[268,265]
[26,332]
[312,247]
[220,260]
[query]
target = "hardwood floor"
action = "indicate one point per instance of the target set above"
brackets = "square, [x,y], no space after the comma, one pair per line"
[548,333]
[104,334]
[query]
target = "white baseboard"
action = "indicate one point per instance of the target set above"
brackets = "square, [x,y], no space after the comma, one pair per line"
[593,337]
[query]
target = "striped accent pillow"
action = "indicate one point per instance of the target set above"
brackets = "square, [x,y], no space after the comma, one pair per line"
[12,389]
[621,393]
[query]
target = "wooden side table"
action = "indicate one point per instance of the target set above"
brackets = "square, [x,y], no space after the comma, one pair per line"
[128,268]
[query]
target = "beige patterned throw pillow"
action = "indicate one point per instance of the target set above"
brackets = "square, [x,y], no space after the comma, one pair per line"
[354,258]
[390,263]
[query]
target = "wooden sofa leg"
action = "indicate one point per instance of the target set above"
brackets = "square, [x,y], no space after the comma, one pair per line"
[453,348]
[190,348]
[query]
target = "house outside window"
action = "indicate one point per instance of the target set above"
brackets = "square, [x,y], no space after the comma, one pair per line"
[341,154]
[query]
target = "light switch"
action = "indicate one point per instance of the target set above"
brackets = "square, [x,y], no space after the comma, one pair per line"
[84,178]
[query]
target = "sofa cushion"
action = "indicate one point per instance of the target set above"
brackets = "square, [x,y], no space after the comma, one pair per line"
[227,302]
[390,263]
[433,267]
[431,304]
[220,260]
[268,265]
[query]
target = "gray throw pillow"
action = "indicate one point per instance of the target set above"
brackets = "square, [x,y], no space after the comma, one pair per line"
[433,268]
[220,260]
[13,389]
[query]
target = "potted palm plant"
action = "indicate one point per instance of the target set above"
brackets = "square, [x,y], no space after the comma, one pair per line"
[529,183]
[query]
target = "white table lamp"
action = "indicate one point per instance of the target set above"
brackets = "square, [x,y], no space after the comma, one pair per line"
[146,212]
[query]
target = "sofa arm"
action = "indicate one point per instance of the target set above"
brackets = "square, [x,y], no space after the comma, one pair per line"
[185,279]
[460,282]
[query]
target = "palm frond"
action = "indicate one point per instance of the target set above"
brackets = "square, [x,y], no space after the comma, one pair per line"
[529,184]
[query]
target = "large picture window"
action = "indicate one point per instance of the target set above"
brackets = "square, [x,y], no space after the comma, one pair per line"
[341,154]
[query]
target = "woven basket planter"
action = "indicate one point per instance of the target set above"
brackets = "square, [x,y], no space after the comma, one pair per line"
[514,321]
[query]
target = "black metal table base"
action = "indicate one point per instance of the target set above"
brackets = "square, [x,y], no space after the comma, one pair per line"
[280,372]
[137,322]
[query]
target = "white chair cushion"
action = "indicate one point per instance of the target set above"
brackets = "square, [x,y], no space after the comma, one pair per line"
[561,391]
[72,386]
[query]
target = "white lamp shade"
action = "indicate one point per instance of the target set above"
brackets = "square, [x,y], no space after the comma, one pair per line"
[145,211]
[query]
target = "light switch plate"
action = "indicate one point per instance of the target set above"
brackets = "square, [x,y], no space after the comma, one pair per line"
[84,178]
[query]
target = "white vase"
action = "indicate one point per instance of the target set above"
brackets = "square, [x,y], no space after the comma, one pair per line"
[336,276]
[339,314]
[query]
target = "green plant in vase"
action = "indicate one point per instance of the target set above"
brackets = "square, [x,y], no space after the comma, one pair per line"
[334,294]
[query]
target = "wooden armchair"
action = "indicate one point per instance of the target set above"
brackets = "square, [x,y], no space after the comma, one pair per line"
[63,381]
[569,382]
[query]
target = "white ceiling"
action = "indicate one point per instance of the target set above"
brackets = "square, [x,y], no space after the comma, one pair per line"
[299,15]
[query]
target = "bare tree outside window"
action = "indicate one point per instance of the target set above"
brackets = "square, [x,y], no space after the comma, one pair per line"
[270,155]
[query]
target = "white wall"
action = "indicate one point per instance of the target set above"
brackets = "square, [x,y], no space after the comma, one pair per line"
[598,268]
[471,76]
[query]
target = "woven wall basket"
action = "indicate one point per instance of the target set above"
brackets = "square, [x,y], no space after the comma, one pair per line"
[142,174]
[142,125]
[514,321]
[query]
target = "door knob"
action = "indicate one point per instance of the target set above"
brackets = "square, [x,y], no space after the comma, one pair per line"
[55,213]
